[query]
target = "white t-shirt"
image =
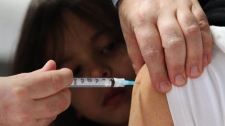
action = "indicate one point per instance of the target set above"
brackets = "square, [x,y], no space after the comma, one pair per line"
[201,102]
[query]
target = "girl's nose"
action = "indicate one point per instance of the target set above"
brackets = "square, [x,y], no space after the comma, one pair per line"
[100,71]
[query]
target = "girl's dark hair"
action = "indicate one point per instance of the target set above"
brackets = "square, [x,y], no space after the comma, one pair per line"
[45,21]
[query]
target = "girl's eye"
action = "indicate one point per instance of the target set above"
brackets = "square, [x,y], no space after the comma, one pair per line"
[77,71]
[110,47]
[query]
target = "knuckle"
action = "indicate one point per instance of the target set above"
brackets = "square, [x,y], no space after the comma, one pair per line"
[143,16]
[178,67]
[202,19]
[151,53]
[192,29]
[203,23]
[20,93]
[192,25]
[173,43]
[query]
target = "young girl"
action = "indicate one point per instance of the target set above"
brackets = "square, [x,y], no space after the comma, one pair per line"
[84,36]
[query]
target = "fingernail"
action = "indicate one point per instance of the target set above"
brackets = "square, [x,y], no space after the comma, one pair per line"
[164,86]
[194,71]
[205,60]
[180,80]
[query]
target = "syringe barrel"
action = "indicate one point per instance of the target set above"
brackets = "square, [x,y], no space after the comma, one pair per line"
[96,82]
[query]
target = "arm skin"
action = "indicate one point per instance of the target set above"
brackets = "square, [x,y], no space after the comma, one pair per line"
[172,37]
[148,106]
[36,98]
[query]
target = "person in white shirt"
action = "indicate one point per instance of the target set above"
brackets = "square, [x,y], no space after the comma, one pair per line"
[157,31]
[201,102]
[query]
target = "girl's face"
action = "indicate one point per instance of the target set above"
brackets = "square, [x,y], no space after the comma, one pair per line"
[94,53]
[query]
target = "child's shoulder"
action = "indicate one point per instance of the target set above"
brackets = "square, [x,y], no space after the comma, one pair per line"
[148,107]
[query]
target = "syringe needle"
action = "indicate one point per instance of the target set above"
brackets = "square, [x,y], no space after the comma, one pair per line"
[127,82]
[100,82]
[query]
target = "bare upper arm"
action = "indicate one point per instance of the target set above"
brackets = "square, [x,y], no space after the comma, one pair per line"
[148,107]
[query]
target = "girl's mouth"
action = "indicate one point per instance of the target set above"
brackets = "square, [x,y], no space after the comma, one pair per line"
[114,96]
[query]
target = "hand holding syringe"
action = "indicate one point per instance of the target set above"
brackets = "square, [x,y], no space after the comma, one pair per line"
[100,82]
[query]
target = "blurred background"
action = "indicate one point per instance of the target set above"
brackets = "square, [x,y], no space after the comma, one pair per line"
[12,13]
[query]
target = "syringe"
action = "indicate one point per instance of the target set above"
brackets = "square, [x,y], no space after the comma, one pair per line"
[100,82]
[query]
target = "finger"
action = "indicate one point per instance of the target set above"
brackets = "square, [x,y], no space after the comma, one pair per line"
[149,42]
[134,51]
[205,32]
[50,65]
[174,47]
[193,40]
[131,41]
[52,105]
[40,85]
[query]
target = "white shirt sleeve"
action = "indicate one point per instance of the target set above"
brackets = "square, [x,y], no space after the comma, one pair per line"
[201,102]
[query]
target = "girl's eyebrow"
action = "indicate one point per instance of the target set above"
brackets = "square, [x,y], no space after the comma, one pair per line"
[98,34]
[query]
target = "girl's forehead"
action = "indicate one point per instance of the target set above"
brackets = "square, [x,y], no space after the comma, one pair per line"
[73,28]
[71,39]
[79,29]
[73,24]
